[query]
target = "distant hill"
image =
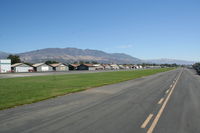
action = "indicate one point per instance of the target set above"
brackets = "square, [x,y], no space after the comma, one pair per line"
[3,55]
[69,55]
[169,61]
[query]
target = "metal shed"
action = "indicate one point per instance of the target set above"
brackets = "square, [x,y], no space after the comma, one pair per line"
[73,66]
[90,67]
[21,67]
[98,66]
[60,67]
[42,67]
[114,66]
[121,67]
[107,67]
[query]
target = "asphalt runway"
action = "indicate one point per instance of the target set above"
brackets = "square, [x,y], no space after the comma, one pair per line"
[167,102]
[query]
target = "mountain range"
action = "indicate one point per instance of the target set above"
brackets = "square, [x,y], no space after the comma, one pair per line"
[3,55]
[70,55]
[170,61]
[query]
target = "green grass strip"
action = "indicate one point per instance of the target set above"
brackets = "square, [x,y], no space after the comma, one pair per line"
[19,91]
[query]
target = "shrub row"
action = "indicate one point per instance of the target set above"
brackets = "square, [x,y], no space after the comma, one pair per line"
[196,66]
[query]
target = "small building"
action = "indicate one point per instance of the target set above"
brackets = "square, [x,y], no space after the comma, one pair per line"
[5,65]
[140,66]
[127,66]
[114,66]
[21,67]
[89,67]
[121,67]
[98,67]
[107,67]
[42,67]
[60,67]
[73,66]
[135,67]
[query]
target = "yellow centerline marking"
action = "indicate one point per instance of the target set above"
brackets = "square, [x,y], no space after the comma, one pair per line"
[161,100]
[167,91]
[155,121]
[147,121]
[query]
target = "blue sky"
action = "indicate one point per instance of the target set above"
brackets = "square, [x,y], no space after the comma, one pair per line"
[146,29]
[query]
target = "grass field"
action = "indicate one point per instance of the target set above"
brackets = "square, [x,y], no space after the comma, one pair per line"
[18,91]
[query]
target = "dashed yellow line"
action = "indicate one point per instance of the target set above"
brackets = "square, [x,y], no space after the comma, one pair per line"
[147,121]
[161,100]
[167,91]
[155,121]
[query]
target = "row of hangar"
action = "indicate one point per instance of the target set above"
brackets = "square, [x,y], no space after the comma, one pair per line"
[42,67]
[39,67]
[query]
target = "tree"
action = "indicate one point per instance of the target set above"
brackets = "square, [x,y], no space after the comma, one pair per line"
[14,59]
[196,66]
[50,62]
[87,62]
[75,62]
[81,62]
[94,62]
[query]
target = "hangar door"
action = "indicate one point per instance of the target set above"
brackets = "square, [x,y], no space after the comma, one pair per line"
[45,68]
[22,69]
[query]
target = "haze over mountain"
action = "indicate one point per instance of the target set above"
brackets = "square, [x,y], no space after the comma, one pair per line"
[170,61]
[70,55]
[3,54]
